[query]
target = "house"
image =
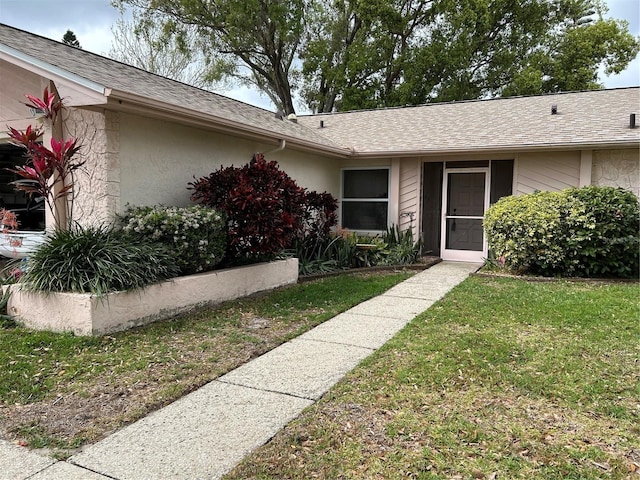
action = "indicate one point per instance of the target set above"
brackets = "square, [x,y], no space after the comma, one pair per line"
[435,167]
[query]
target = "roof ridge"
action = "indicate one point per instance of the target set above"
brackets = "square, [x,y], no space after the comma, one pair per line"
[473,100]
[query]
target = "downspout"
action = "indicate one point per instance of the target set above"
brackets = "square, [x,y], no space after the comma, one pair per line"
[283,143]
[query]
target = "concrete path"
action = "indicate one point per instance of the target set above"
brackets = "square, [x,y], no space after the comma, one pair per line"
[206,433]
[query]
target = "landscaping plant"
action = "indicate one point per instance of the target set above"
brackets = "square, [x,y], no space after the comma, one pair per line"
[402,250]
[48,173]
[590,231]
[96,260]
[266,210]
[195,236]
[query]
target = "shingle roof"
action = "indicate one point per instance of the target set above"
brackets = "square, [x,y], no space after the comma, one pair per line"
[133,81]
[592,118]
[599,117]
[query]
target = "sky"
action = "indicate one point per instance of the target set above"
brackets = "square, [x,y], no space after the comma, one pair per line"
[91,21]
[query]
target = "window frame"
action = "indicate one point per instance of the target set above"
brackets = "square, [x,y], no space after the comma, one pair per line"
[387,200]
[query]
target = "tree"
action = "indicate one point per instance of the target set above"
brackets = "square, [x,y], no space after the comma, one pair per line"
[252,41]
[70,39]
[350,54]
[356,55]
[144,43]
[396,52]
[571,59]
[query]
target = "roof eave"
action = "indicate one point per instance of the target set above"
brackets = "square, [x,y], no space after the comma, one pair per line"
[131,103]
[94,90]
[502,149]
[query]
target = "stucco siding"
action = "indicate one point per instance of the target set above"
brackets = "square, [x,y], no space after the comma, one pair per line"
[96,185]
[313,172]
[158,159]
[409,193]
[547,171]
[617,168]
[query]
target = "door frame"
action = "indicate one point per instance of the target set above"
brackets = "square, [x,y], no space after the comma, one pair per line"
[463,255]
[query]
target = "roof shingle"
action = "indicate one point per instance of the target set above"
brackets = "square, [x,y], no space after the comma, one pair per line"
[134,81]
[584,119]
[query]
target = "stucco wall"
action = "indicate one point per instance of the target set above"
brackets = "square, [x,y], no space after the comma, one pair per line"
[96,184]
[617,168]
[158,159]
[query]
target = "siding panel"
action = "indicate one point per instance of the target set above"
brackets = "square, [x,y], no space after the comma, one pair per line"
[409,192]
[547,171]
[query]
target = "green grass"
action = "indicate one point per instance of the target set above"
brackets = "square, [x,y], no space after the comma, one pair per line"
[501,378]
[56,390]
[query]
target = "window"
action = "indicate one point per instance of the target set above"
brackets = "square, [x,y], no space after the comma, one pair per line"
[365,199]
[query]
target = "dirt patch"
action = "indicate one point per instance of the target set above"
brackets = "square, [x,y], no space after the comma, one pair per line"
[88,410]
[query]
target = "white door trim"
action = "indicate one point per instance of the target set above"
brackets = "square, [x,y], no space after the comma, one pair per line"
[463,255]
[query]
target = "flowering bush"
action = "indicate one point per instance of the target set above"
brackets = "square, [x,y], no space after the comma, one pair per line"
[196,235]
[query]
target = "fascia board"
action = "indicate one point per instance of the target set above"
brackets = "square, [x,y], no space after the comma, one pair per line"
[498,149]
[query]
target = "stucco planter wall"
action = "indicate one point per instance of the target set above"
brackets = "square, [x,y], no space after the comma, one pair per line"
[85,314]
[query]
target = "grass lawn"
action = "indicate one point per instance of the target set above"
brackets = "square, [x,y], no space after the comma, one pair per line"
[501,379]
[60,391]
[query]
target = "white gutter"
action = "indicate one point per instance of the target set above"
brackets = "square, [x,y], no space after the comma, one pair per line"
[46,69]
[496,149]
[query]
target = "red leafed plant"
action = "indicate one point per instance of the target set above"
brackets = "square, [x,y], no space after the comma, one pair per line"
[264,206]
[49,171]
[8,226]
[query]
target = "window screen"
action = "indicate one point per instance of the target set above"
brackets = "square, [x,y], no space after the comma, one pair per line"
[365,199]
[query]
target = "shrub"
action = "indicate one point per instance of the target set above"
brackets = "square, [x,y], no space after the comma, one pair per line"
[49,173]
[264,207]
[96,260]
[195,235]
[345,249]
[313,240]
[401,247]
[589,231]
[6,320]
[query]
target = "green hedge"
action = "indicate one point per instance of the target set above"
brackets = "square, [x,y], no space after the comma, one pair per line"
[587,232]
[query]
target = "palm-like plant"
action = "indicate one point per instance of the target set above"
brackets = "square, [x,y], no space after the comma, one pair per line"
[48,171]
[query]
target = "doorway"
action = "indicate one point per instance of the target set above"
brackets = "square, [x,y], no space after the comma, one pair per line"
[465,199]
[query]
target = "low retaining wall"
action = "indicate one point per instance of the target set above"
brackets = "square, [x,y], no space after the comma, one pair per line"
[85,314]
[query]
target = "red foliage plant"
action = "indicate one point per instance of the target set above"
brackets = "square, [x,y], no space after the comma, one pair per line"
[48,172]
[265,207]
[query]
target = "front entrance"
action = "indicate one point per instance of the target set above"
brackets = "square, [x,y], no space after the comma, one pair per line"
[455,196]
[465,199]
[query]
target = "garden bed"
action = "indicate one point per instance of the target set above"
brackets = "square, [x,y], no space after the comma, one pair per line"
[423,264]
[86,314]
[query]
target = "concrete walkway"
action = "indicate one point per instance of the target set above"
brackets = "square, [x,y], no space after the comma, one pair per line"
[206,433]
